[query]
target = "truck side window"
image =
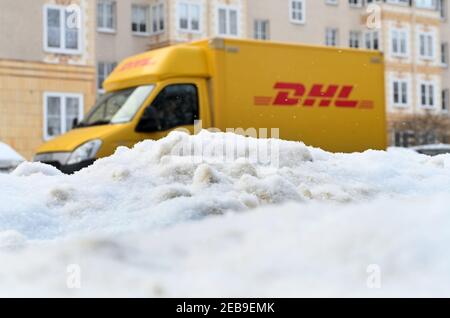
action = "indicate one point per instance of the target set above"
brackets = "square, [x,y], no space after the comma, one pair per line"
[176,105]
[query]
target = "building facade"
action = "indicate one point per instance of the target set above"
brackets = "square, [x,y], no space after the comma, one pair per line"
[47,69]
[55,54]
[413,34]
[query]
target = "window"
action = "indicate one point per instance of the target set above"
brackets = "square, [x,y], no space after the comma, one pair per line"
[140,19]
[106,15]
[372,40]
[445,100]
[175,106]
[60,111]
[400,93]
[426,43]
[399,42]
[444,54]
[354,39]
[62,30]
[103,71]
[332,2]
[118,106]
[426,4]
[228,21]
[262,29]
[427,95]
[158,20]
[297,11]
[331,37]
[442,6]
[188,16]
[355,3]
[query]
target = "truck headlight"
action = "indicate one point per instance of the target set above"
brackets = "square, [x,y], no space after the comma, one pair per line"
[86,151]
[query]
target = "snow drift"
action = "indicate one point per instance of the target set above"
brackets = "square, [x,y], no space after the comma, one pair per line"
[157,221]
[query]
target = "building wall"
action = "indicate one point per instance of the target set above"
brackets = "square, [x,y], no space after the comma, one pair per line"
[346,18]
[319,16]
[28,71]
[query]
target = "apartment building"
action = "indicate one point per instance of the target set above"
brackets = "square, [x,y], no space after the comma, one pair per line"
[127,27]
[47,69]
[54,59]
[413,34]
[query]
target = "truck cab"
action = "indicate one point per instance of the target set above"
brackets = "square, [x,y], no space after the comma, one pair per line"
[147,96]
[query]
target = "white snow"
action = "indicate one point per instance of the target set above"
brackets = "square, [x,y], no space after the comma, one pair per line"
[155,221]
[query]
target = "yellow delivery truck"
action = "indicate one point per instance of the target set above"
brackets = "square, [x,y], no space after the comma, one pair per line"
[326,97]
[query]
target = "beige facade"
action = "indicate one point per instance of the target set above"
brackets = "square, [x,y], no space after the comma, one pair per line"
[118,40]
[43,67]
[409,35]
[44,78]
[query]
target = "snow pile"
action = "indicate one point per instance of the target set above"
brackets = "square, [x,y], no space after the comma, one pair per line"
[135,223]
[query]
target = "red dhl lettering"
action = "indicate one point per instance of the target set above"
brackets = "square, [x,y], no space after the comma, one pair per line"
[320,95]
[135,64]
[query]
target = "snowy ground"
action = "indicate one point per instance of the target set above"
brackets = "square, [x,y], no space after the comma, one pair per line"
[148,222]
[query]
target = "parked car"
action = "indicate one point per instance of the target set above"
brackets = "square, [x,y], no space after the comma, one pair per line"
[9,158]
[432,150]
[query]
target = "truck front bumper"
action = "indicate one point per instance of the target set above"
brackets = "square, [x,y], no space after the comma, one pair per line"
[58,161]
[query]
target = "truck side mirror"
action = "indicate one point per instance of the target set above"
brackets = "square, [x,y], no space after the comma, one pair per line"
[149,121]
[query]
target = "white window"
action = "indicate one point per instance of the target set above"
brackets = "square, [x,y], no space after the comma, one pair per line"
[444,54]
[297,11]
[60,112]
[400,92]
[228,21]
[427,91]
[372,40]
[103,71]
[189,15]
[355,3]
[140,19]
[442,6]
[106,15]
[158,18]
[426,4]
[426,45]
[399,42]
[401,2]
[354,39]
[445,100]
[62,29]
[262,29]
[331,37]
[332,2]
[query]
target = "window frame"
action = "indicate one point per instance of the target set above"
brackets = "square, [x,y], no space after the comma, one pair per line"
[105,29]
[62,96]
[400,82]
[228,8]
[291,11]
[61,50]
[189,17]
[435,96]
[147,19]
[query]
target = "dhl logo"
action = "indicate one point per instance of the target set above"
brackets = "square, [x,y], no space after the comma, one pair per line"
[295,94]
[135,64]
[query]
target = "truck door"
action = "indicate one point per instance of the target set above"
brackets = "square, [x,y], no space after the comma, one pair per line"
[177,105]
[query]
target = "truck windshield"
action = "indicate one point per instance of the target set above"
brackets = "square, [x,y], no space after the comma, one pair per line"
[117,107]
